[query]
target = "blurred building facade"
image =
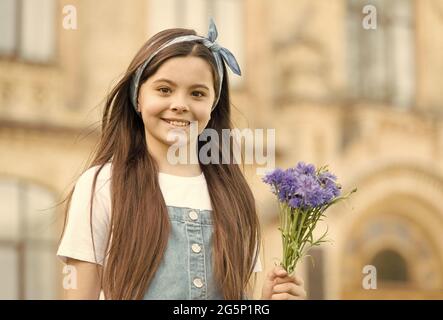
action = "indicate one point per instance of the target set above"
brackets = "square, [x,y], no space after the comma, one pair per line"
[367,102]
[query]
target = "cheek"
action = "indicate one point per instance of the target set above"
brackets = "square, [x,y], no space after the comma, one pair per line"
[203,118]
[150,105]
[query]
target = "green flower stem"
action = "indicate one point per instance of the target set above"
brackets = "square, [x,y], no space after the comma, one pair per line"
[283,226]
[293,223]
[297,228]
[300,227]
[317,213]
[288,223]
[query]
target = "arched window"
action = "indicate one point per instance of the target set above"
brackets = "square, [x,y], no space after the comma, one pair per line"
[28,238]
[390,266]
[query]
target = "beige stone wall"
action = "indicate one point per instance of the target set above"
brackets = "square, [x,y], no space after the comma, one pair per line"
[428,50]
[295,81]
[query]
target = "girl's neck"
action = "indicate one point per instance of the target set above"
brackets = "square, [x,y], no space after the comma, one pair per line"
[184,170]
[159,152]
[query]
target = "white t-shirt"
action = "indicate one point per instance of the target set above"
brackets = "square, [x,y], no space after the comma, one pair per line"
[178,191]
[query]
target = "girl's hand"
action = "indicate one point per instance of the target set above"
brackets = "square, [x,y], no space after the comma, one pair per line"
[279,286]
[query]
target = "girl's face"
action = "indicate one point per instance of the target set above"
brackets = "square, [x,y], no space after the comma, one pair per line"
[181,91]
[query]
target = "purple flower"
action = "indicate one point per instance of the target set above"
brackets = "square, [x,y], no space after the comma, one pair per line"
[288,186]
[329,183]
[302,186]
[295,202]
[275,177]
[309,189]
[303,168]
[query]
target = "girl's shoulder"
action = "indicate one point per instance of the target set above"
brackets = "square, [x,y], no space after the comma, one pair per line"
[86,179]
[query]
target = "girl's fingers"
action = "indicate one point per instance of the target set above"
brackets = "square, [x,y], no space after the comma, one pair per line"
[278,271]
[290,288]
[284,296]
[283,287]
[295,279]
[286,279]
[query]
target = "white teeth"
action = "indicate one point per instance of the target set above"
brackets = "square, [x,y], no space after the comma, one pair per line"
[178,123]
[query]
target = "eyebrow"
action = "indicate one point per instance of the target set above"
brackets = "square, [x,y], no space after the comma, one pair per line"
[174,84]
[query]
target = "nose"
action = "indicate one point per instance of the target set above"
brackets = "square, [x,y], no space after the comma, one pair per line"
[179,108]
[179,105]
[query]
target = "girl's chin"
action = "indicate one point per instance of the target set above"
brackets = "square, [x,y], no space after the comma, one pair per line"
[176,142]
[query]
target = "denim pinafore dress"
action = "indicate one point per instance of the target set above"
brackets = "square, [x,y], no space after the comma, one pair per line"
[185,272]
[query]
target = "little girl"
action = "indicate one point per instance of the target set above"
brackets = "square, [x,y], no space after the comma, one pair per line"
[141,227]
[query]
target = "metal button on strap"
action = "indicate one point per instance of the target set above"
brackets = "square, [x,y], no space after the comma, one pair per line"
[196,248]
[198,282]
[193,215]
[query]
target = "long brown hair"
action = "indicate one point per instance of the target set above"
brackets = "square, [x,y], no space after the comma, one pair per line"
[139,225]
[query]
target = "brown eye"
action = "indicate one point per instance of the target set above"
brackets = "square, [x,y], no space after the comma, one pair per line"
[163,90]
[199,94]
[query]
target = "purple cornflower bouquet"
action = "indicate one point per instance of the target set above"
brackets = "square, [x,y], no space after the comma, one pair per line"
[304,194]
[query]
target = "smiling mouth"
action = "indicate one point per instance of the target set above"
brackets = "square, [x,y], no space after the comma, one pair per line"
[177,123]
